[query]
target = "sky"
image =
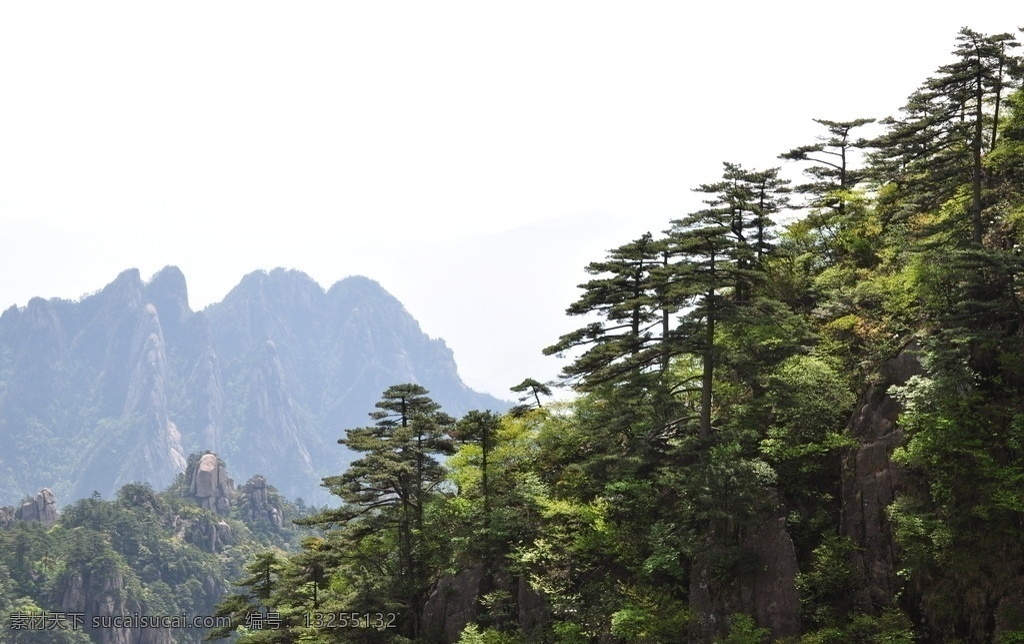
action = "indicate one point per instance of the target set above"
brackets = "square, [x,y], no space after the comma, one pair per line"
[472,157]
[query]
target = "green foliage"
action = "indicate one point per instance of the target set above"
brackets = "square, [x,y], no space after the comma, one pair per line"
[827,588]
[536,389]
[743,630]
[891,627]
[472,634]
[391,526]
[649,615]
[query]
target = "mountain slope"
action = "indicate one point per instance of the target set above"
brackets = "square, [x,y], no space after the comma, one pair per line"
[122,385]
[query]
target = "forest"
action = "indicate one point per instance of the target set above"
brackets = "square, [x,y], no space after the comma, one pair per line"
[807,433]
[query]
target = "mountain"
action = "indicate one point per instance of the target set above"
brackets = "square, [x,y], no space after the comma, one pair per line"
[123,384]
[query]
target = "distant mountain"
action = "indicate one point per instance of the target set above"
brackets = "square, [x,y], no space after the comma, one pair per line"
[122,385]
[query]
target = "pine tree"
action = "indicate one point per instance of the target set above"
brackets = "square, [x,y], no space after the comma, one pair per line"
[480,427]
[832,180]
[536,389]
[715,259]
[831,171]
[624,346]
[710,264]
[385,491]
[261,583]
[935,151]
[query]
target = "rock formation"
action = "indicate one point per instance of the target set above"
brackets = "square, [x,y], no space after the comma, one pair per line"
[870,482]
[42,509]
[276,432]
[208,534]
[257,503]
[159,455]
[210,485]
[454,602]
[762,585]
[101,594]
[206,384]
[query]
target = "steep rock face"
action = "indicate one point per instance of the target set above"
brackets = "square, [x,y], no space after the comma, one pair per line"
[275,432]
[209,534]
[136,440]
[103,339]
[202,419]
[160,455]
[453,603]
[101,595]
[168,293]
[34,346]
[40,355]
[376,344]
[870,482]
[329,357]
[763,587]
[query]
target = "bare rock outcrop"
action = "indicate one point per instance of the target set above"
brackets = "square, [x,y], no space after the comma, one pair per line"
[454,602]
[99,595]
[42,509]
[870,482]
[209,534]
[762,584]
[256,502]
[210,485]
[207,388]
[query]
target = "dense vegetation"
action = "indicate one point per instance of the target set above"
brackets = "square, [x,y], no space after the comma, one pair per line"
[143,552]
[708,454]
[700,487]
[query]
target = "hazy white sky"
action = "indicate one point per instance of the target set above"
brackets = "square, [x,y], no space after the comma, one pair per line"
[470,156]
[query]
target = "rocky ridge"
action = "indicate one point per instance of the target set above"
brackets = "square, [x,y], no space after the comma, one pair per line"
[123,384]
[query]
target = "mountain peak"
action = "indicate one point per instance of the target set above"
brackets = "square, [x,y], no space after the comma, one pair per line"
[271,376]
